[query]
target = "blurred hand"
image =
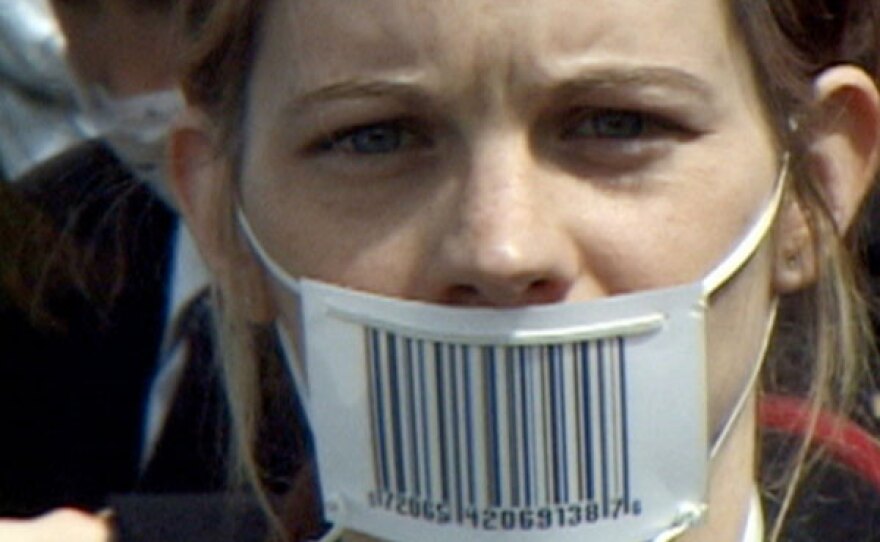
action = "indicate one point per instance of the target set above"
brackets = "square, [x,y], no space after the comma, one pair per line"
[63,525]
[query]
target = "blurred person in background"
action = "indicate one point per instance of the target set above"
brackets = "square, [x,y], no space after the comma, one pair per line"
[123,54]
[100,312]
[38,101]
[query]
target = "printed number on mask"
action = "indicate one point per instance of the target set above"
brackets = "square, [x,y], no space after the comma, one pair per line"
[525,519]
[500,519]
[411,507]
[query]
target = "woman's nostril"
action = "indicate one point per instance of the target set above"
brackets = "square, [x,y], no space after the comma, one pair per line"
[506,294]
[545,291]
[463,294]
[541,285]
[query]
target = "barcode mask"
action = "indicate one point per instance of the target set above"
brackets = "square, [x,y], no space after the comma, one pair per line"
[565,422]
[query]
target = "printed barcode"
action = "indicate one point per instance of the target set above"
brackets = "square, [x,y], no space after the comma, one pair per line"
[462,429]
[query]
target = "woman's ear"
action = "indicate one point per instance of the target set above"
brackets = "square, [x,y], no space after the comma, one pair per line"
[196,176]
[843,157]
[203,185]
[846,134]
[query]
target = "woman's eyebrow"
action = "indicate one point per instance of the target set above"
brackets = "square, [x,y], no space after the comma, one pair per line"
[606,79]
[355,89]
[586,81]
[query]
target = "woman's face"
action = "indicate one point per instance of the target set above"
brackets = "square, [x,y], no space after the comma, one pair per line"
[511,152]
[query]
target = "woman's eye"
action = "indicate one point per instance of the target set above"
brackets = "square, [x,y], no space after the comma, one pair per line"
[379,138]
[611,124]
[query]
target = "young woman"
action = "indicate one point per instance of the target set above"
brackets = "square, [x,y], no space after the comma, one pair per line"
[524,259]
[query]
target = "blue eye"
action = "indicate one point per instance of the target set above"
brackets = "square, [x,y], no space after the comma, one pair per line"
[609,124]
[381,138]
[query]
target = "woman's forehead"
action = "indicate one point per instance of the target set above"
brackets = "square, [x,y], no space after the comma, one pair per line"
[394,33]
[461,47]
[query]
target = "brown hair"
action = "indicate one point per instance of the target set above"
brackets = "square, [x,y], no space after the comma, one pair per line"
[824,338]
[823,334]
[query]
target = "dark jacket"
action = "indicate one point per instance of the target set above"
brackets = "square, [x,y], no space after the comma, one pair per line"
[86,256]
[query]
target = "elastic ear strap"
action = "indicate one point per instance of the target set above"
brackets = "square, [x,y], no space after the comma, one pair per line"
[746,248]
[750,384]
[267,260]
[297,370]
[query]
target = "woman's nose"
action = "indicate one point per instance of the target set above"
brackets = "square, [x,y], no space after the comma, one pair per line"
[506,243]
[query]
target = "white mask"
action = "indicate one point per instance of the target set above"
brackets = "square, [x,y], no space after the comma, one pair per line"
[136,128]
[564,422]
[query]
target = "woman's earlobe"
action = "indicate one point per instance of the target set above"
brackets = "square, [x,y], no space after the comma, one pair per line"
[794,261]
[845,139]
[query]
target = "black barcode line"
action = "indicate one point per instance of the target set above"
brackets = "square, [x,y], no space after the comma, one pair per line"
[593,402]
[451,449]
[603,427]
[615,417]
[384,419]
[422,416]
[413,440]
[491,409]
[457,427]
[551,426]
[586,412]
[624,423]
[546,436]
[497,443]
[425,426]
[378,410]
[527,442]
[513,436]
[580,433]
[399,469]
[469,428]
[538,418]
[553,399]
[439,416]
[562,438]
[441,421]
[504,427]
[392,416]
